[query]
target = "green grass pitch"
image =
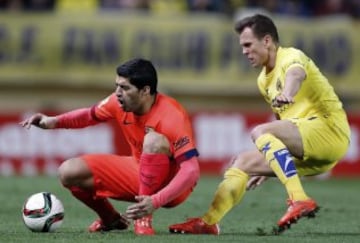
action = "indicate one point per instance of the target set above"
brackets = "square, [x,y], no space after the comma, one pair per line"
[337,221]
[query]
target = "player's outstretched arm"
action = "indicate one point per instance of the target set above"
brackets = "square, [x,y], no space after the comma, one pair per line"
[293,80]
[40,120]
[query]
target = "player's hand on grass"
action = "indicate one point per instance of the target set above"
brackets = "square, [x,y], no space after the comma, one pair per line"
[39,120]
[255,181]
[143,208]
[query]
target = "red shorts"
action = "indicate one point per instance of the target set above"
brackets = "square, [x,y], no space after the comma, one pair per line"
[117,177]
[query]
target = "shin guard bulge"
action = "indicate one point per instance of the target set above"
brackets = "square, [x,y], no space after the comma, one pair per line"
[154,171]
[281,162]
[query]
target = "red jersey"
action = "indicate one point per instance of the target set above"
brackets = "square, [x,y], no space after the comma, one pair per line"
[166,117]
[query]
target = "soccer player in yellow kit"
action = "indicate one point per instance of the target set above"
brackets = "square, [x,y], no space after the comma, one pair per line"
[310,135]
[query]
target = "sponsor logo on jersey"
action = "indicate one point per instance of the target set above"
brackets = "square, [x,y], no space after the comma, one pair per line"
[181,143]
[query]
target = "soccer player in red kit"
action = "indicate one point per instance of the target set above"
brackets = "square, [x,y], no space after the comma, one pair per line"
[163,168]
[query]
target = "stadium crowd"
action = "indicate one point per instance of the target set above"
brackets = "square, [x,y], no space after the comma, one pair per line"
[301,8]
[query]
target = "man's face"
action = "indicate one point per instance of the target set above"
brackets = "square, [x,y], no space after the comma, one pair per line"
[128,95]
[254,49]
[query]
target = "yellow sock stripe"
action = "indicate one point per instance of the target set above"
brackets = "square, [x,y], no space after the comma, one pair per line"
[292,183]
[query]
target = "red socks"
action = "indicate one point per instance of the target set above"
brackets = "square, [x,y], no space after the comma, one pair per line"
[154,172]
[100,205]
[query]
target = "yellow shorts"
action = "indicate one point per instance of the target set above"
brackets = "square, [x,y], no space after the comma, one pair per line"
[325,140]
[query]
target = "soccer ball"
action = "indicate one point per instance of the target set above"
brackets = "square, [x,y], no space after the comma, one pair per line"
[43,212]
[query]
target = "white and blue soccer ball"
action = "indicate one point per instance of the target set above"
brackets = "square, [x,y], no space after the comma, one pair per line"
[43,212]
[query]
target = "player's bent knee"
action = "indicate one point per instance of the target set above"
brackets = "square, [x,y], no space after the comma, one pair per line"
[71,170]
[248,161]
[155,143]
[259,130]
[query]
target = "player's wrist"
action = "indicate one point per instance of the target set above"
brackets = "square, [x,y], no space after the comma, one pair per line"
[155,201]
[54,122]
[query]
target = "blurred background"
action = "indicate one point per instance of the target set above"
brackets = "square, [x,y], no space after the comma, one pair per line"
[57,55]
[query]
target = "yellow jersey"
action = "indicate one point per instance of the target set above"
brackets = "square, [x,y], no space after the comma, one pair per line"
[316,97]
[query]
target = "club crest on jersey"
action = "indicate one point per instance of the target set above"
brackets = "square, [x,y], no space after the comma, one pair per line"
[286,162]
[278,85]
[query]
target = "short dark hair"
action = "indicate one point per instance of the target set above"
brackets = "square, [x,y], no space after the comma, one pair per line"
[261,25]
[140,73]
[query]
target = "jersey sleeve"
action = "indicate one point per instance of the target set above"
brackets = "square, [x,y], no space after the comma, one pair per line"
[106,109]
[295,58]
[176,126]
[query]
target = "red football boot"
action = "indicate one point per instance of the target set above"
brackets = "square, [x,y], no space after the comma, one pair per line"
[143,226]
[295,211]
[195,226]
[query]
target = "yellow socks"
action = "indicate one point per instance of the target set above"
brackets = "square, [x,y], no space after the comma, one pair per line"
[230,191]
[281,162]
